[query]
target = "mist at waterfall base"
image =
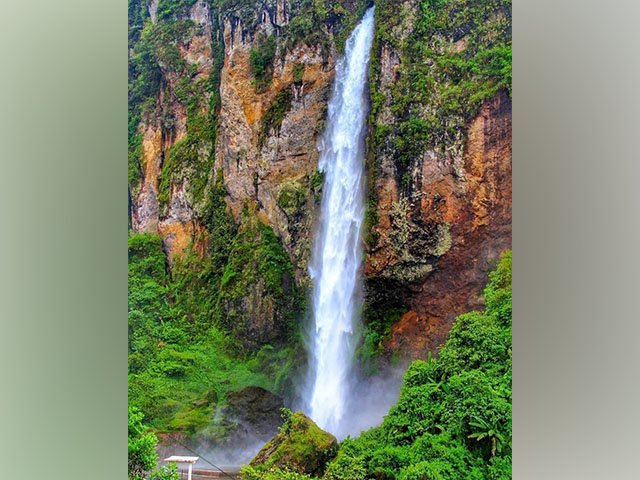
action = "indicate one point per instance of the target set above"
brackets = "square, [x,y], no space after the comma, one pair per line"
[334,398]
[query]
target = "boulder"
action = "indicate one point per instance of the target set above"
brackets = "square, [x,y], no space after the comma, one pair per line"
[255,411]
[300,446]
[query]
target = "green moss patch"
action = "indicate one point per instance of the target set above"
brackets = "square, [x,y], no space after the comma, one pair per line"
[273,117]
[300,446]
[261,57]
[258,300]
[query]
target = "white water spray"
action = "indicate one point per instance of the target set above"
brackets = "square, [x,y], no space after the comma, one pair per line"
[337,254]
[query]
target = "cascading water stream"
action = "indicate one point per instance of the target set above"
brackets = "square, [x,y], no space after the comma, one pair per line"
[337,254]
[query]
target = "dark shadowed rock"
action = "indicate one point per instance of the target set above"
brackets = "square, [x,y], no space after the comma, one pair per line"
[255,411]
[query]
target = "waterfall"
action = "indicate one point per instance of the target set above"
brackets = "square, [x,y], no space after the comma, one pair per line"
[337,254]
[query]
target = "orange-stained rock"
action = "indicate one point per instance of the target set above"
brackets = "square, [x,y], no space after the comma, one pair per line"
[145,214]
[257,171]
[177,237]
[475,205]
[177,225]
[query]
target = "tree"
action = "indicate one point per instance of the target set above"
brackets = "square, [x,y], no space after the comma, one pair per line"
[142,447]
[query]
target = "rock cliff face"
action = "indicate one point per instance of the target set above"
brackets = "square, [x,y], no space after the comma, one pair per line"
[439,243]
[242,93]
[165,125]
[234,91]
[440,164]
[267,140]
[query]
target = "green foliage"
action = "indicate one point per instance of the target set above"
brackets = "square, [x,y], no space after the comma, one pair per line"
[182,360]
[167,9]
[142,456]
[244,10]
[169,472]
[371,213]
[453,418]
[137,14]
[274,473]
[155,51]
[293,196]
[191,159]
[306,25]
[142,447]
[180,365]
[384,305]
[260,268]
[317,181]
[298,73]
[497,295]
[272,120]
[261,58]
[157,46]
[378,323]
[153,48]
[476,342]
[140,64]
[134,159]
[183,383]
[222,230]
[287,420]
[457,55]
[148,304]
[322,22]
[195,158]
[146,258]
[292,199]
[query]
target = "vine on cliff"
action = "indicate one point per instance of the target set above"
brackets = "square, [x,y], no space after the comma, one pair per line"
[261,56]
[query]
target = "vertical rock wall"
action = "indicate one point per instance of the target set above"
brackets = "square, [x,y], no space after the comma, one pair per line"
[264,164]
[442,217]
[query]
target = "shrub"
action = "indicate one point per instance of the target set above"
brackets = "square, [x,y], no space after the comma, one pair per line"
[261,58]
[251,473]
[169,472]
[142,447]
[273,117]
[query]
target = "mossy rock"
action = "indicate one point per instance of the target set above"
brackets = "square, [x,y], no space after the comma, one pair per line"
[258,299]
[292,199]
[256,410]
[300,446]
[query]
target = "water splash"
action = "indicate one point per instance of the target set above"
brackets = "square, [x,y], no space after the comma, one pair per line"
[337,254]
